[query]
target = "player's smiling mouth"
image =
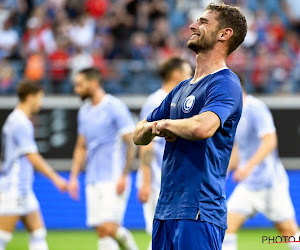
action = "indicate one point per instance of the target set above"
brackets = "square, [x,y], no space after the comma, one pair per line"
[195,34]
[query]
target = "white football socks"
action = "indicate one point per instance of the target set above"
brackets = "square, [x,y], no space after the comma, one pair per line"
[5,237]
[125,239]
[38,240]
[107,243]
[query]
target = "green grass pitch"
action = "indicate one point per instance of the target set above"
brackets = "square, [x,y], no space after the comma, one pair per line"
[86,240]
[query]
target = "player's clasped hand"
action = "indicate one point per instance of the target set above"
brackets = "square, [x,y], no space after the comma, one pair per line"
[61,184]
[159,129]
[156,131]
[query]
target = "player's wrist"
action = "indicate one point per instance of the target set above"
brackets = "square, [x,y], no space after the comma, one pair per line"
[74,177]
[56,178]
[166,124]
[74,174]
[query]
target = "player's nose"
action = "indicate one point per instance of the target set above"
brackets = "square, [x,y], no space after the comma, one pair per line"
[194,26]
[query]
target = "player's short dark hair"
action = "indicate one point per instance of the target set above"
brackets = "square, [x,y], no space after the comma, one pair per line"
[27,87]
[167,67]
[91,74]
[231,17]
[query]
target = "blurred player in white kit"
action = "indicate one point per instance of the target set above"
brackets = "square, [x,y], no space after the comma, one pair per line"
[105,143]
[263,182]
[19,159]
[172,72]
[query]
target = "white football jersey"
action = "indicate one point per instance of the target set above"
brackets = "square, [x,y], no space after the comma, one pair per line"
[102,126]
[16,174]
[257,121]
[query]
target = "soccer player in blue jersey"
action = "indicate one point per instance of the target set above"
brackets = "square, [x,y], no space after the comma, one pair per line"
[104,142]
[172,71]
[263,183]
[198,119]
[19,158]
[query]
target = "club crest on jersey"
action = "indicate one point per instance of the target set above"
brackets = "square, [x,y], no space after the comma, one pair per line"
[188,104]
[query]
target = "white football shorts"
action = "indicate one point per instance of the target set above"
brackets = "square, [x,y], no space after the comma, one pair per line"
[104,204]
[12,203]
[275,202]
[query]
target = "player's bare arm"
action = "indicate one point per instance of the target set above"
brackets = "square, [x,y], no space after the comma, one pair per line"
[198,127]
[267,145]
[131,151]
[146,154]
[79,157]
[42,166]
[234,158]
[130,155]
[145,132]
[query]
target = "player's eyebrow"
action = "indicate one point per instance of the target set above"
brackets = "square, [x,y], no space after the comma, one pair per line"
[202,20]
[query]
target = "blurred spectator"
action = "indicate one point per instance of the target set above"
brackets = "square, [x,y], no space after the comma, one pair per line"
[139,46]
[4,14]
[238,61]
[295,75]
[9,39]
[6,77]
[38,37]
[74,8]
[282,66]
[292,9]
[100,62]
[158,9]
[276,27]
[261,70]
[124,37]
[96,8]
[35,67]
[81,31]
[58,68]
[80,60]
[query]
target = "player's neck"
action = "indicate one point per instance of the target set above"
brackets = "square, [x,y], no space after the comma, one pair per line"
[207,63]
[97,96]
[25,109]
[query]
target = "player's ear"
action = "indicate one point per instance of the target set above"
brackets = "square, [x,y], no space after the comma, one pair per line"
[225,34]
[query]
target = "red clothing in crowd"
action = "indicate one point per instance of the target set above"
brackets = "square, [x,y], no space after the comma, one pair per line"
[58,62]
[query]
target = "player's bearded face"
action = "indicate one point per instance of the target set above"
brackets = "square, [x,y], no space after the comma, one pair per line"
[84,95]
[81,87]
[202,42]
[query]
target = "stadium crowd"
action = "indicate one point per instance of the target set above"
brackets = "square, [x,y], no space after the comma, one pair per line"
[51,40]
